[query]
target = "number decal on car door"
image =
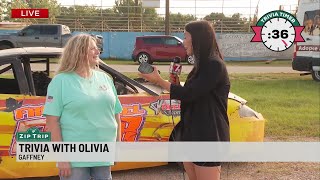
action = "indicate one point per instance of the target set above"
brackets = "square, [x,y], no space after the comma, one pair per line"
[132,121]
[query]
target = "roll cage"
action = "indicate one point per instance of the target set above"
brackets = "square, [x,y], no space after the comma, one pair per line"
[29,82]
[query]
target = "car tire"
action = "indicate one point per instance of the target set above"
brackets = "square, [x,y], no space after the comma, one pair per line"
[316,75]
[5,46]
[190,60]
[144,57]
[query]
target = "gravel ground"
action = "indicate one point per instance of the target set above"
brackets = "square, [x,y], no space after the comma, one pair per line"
[186,69]
[230,171]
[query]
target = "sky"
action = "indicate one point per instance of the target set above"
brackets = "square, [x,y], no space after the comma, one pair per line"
[201,8]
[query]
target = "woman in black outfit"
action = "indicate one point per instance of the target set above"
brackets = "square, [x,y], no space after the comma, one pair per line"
[204,96]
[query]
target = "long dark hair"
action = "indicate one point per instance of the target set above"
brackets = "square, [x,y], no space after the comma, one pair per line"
[204,43]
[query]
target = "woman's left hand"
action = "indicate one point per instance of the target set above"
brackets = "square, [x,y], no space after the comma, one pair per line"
[153,77]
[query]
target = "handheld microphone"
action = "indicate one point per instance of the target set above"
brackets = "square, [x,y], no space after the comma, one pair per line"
[175,70]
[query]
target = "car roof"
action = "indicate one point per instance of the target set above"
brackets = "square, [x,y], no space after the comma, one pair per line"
[30,52]
[47,24]
[153,36]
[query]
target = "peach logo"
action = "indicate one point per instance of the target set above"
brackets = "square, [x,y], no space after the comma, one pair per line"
[29,112]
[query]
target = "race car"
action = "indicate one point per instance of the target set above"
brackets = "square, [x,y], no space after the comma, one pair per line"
[148,114]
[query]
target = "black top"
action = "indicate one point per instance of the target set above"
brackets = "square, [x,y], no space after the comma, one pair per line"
[204,101]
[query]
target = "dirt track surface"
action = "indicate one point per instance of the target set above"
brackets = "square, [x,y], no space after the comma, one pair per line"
[187,68]
[231,171]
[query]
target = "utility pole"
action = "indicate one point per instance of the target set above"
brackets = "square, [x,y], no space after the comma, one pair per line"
[167,28]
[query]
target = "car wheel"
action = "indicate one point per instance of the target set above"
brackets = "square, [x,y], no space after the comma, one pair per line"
[190,60]
[4,46]
[316,75]
[144,57]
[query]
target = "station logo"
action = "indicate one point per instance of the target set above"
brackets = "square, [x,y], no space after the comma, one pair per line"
[33,134]
[277,30]
[29,13]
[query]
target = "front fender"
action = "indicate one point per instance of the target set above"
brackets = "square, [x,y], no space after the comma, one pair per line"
[8,41]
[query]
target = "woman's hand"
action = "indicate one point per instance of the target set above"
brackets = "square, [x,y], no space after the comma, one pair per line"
[64,169]
[119,134]
[153,77]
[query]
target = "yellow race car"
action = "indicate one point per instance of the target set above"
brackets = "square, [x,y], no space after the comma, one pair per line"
[147,112]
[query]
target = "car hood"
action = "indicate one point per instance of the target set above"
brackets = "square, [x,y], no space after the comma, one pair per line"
[237,98]
[30,50]
[160,90]
[3,36]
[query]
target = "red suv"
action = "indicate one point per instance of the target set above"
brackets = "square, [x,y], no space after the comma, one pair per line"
[159,48]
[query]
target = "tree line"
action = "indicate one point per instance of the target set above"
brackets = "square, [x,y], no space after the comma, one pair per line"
[125,15]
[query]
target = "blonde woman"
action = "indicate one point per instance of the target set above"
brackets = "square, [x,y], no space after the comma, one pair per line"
[82,106]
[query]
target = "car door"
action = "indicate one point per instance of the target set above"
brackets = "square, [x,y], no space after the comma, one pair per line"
[50,36]
[19,111]
[172,48]
[144,118]
[145,115]
[153,46]
[29,37]
[315,38]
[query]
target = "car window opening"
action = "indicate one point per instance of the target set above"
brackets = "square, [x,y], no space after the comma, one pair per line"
[8,84]
[20,75]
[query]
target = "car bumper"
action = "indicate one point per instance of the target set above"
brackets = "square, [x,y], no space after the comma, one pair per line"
[133,57]
[302,63]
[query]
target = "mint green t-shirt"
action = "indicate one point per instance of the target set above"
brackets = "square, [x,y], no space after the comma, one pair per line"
[86,108]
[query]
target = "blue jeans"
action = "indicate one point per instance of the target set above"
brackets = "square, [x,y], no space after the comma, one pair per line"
[87,173]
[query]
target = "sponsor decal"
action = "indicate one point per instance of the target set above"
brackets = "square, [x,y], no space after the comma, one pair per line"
[11,105]
[308,48]
[28,112]
[164,107]
[36,126]
[132,121]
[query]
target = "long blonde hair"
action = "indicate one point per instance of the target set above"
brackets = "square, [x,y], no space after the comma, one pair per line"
[74,55]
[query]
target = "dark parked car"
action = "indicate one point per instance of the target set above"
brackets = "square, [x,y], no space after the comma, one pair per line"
[159,48]
[41,35]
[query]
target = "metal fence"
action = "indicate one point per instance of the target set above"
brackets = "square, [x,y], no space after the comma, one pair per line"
[130,16]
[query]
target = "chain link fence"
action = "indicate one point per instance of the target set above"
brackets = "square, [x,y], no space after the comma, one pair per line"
[130,16]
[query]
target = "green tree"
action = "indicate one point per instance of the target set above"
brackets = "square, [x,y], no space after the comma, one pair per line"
[131,14]
[222,23]
[119,18]
[78,17]
[52,5]
[6,7]
[4,13]
[87,18]
[178,21]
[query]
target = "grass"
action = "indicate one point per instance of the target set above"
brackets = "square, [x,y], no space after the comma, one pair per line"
[6,76]
[289,102]
[275,63]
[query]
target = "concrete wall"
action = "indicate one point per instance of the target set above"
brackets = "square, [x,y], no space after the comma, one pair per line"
[239,47]
[236,47]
